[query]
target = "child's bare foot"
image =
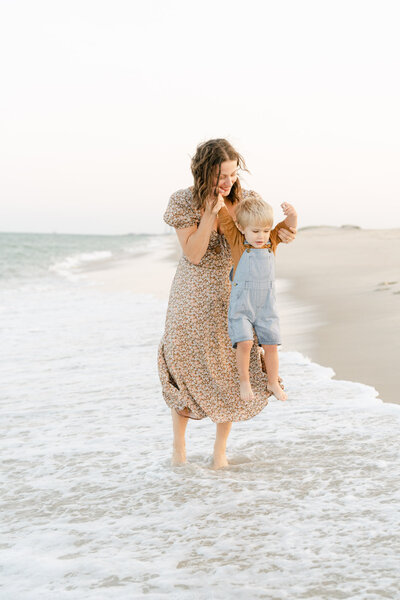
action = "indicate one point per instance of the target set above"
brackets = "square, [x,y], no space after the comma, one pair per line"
[246,393]
[178,456]
[277,391]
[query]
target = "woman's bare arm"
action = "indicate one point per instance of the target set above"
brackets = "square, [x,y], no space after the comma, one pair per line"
[287,236]
[195,239]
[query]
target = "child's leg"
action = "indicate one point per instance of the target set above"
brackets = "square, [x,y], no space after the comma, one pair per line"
[272,365]
[243,350]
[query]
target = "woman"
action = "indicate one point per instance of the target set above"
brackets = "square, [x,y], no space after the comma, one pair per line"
[196,361]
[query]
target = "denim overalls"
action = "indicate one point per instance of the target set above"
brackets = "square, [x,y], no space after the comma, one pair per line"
[252,302]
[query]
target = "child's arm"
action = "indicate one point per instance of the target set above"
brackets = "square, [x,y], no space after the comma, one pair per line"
[226,226]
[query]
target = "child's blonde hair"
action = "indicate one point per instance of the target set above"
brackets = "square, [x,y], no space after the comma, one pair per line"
[254,211]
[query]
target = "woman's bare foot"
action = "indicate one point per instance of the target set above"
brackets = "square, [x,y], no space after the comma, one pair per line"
[277,391]
[246,393]
[178,456]
[220,459]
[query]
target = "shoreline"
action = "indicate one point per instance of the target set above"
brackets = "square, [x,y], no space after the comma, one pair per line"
[350,278]
[150,272]
[338,294]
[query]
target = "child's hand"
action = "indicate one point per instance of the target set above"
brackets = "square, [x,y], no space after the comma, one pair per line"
[288,210]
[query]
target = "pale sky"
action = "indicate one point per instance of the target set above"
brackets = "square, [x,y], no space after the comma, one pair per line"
[104,102]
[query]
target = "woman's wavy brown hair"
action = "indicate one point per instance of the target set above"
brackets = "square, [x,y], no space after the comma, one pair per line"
[206,164]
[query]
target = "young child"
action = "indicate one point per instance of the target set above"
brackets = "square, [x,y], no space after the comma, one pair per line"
[252,304]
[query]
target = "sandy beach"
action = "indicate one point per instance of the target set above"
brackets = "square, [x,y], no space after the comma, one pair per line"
[339,298]
[351,279]
[91,505]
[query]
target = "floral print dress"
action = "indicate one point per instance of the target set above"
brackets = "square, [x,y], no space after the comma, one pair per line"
[196,361]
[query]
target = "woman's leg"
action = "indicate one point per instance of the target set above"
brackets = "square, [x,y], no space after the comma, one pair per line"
[272,366]
[220,459]
[179,448]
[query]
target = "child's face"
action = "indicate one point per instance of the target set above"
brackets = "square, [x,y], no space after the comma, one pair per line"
[256,235]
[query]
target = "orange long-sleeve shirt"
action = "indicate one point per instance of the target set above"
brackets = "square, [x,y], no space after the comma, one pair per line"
[236,239]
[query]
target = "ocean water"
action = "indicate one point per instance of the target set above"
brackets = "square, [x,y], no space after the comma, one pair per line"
[90,505]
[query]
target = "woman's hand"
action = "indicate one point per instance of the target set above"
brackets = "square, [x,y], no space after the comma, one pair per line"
[288,210]
[287,236]
[290,213]
[214,205]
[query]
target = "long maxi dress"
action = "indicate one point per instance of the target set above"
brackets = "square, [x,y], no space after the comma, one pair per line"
[196,361]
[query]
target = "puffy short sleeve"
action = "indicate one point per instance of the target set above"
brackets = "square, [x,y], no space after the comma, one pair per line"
[180,211]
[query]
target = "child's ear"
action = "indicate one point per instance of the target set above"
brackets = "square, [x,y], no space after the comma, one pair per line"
[238,226]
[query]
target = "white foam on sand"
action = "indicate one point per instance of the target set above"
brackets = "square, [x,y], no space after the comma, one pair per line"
[72,266]
[91,508]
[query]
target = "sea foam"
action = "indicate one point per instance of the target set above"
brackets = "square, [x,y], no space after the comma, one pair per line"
[91,507]
[72,266]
